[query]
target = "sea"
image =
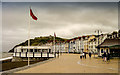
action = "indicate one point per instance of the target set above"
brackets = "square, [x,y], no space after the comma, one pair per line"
[5,55]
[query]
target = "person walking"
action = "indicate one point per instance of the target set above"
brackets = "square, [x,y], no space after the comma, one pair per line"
[83,54]
[89,54]
[105,56]
[108,57]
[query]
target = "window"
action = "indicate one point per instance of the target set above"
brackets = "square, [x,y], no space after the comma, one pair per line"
[73,47]
[31,50]
[49,50]
[16,50]
[110,37]
[91,46]
[21,50]
[44,50]
[73,42]
[107,50]
[39,50]
[101,50]
[116,36]
[35,50]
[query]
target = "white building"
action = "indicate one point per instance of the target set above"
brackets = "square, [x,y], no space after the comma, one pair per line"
[71,46]
[33,51]
[77,45]
[62,47]
[85,43]
[81,44]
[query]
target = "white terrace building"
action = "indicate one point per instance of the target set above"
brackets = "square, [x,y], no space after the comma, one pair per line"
[71,46]
[85,43]
[66,47]
[77,45]
[81,43]
[61,47]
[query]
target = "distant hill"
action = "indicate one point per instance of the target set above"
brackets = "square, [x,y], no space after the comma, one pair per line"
[38,41]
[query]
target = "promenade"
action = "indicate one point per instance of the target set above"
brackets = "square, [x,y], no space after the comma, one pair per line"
[71,63]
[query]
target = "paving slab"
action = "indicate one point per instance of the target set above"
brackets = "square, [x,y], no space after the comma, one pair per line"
[71,63]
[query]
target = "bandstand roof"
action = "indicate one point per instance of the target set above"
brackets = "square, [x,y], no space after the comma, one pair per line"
[111,43]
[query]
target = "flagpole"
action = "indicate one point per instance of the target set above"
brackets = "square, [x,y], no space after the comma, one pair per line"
[54,45]
[35,18]
[29,40]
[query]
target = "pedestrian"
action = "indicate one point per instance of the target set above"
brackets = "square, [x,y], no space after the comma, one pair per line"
[105,56]
[108,57]
[89,54]
[58,53]
[83,54]
[80,56]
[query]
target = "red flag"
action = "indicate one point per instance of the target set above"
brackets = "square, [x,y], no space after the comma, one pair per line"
[32,15]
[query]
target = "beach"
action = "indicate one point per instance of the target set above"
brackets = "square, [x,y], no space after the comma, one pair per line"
[5,54]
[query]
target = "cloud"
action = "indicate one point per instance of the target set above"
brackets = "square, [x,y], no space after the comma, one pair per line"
[65,19]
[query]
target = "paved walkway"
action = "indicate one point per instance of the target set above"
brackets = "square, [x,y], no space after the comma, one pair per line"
[71,63]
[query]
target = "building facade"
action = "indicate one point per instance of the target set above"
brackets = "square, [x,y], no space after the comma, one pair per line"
[85,43]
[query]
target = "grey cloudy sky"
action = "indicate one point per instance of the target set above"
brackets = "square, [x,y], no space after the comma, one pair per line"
[66,19]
